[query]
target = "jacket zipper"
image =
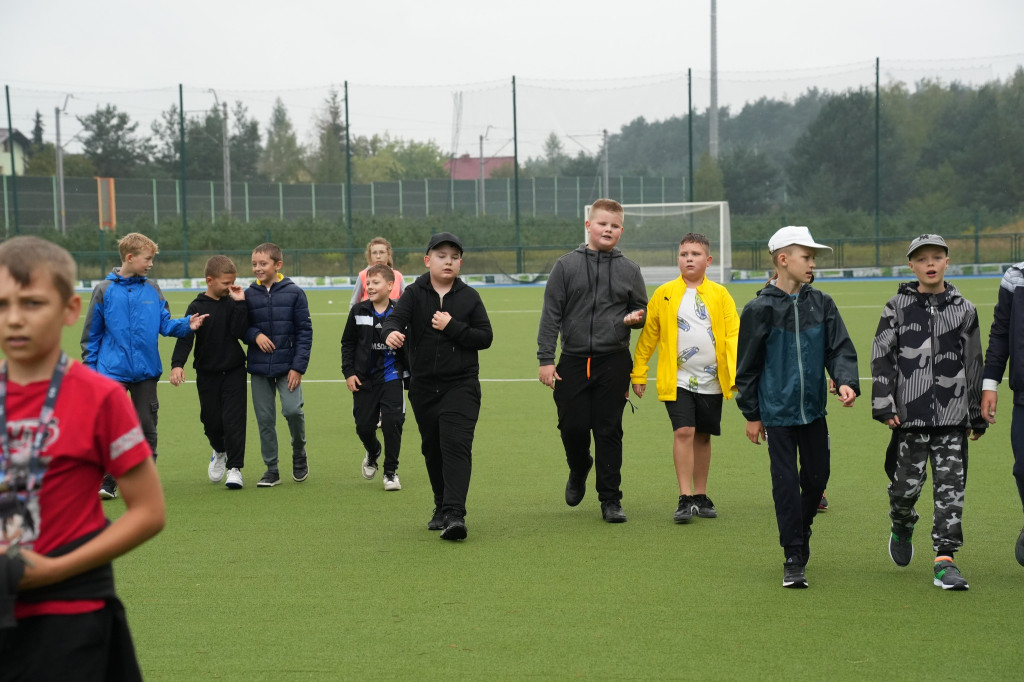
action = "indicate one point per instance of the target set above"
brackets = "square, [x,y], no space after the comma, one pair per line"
[799,356]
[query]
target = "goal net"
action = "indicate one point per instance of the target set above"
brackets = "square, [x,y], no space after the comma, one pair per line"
[652,233]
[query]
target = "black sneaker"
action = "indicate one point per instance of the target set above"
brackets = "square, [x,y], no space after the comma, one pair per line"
[269,480]
[576,486]
[705,507]
[947,575]
[612,512]
[454,528]
[1018,549]
[108,490]
[793,574]
[684,512]
[300,469]
[436,521]
[901,546]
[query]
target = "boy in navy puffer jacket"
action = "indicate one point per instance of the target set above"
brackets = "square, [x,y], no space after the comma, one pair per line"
[127,315]
[280,339]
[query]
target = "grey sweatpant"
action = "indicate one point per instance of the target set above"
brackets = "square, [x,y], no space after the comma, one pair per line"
[264,406]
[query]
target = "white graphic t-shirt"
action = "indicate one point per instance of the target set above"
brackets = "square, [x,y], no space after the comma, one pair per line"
[698,365]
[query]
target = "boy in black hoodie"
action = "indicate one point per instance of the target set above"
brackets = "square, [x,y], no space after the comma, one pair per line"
[445,324]
[220,369]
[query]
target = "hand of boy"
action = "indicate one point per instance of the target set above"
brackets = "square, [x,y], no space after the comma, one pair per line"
[395,340]
[177,376]
[893,422]
[989,399]
[977,433]
[846,395]
[440,320]
[635,317]
[236,292]
[196,321]
[294,379]
[756,432]
[548,376]
[265,344]
[353,383]
[639,389]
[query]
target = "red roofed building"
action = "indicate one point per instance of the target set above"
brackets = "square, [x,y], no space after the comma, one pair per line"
[468,168]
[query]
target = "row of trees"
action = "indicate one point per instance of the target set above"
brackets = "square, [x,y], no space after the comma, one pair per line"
[941,146]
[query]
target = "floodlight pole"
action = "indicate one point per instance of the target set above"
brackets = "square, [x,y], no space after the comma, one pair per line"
[483,176]
[607,180]
[60,172]
[225,142]
[10,146]
[878,168]
[184,175]
[689,125]
[515,165]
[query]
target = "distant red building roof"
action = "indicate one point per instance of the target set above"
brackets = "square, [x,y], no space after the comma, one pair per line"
[467,167]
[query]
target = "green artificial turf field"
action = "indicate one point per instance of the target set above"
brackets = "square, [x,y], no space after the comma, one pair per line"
[336,579]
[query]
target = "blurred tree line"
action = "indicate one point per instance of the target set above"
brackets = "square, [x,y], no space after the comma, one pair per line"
[943,147]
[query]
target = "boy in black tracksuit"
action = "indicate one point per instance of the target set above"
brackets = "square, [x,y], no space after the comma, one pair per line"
[220,369]
[375,375]
[789,335]
[445,324]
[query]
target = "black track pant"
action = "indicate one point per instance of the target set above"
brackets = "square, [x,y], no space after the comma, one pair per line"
[594,403]
[797,491]
[223,406]
[385,402]
[447,423]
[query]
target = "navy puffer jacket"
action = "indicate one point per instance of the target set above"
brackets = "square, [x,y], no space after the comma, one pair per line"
[282,313]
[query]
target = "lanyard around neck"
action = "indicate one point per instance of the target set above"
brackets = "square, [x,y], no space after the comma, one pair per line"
[45,415]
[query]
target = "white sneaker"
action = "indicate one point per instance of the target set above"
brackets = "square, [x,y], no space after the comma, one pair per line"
[369,468]
[234,479]
[391,482]
[218,461]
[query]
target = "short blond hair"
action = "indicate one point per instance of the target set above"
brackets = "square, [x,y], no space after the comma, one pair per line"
[609,205]
[220,265]
[24,256]
[135,243]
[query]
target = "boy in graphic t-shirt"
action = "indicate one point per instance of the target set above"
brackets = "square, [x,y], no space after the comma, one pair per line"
[693,323]
[63,426]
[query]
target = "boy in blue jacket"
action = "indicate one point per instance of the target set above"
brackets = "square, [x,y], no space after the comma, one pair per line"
[789,334]
[280,339]
[127,315]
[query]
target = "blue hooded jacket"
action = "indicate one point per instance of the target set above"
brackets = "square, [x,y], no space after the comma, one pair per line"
[126,317]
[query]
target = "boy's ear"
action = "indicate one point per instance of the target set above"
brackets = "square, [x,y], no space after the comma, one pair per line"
[426,260]
[208,280]
[72,310]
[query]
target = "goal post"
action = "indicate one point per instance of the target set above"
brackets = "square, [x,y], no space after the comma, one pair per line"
[652,233]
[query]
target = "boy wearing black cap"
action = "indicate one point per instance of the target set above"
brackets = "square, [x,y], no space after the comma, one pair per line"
[443,322]
[927,371]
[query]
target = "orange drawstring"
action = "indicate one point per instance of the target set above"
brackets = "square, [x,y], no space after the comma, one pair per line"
[588,368]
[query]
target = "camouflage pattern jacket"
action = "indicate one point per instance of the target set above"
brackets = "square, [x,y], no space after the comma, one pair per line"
[926,361]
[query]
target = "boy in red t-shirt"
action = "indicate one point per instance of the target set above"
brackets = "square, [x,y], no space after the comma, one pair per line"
[63,426]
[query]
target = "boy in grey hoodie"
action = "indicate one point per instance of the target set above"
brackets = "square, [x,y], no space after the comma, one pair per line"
[593,298]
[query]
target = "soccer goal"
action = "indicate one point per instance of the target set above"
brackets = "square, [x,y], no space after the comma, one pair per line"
[652,233]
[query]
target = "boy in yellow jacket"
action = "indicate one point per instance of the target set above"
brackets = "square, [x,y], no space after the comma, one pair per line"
[693,323]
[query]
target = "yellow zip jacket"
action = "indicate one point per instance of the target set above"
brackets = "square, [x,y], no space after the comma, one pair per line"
[662,331]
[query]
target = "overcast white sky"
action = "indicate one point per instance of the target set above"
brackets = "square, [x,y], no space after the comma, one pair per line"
[52,47]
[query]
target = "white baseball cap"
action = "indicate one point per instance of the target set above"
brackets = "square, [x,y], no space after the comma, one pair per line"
[793,235]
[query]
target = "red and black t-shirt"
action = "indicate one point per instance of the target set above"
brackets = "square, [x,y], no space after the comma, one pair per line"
[51,501]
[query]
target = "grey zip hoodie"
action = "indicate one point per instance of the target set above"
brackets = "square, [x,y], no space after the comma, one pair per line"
[587,295]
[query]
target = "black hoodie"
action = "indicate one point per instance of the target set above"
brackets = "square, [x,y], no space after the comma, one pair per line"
[440,358]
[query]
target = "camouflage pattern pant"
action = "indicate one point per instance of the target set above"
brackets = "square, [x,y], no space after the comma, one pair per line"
[944,449]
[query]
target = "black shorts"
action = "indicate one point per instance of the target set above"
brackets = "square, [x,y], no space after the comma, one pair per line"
[703,411]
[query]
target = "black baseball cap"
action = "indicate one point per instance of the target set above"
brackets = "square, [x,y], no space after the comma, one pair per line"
[444,238]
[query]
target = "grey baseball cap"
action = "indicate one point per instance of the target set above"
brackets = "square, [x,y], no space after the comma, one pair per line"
[927,240]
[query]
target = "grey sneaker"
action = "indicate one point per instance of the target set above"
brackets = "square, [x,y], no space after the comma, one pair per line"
[269,479]
[1018,549]
[684,512]
[947,575]
[391,482]
[793,575]
[704,506]
[901,546]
